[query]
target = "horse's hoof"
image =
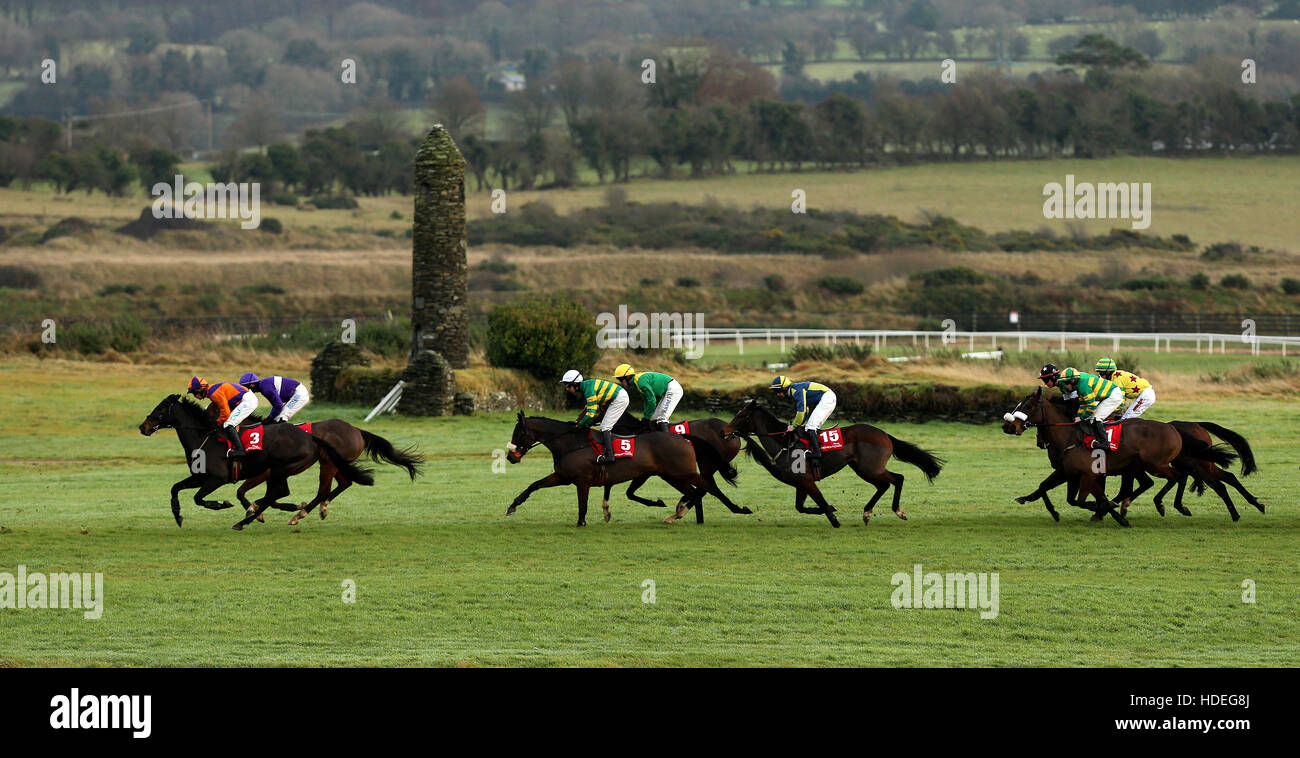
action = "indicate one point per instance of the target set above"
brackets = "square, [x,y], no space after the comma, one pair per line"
[323,512]
[510,511]
[901,515]
[582,523]
[1097,517]
[746,511]
[1056,516]
[1184,511]
[607,517]
[238,527]
[1022,500]
[179,520]
[1236,517]
[261,518]
[866,518]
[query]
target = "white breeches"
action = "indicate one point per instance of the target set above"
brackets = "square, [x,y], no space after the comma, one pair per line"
[820,412]
[1141,404]
[613,411]
[294,404]
[667,403]
[241,411]
[1109,404]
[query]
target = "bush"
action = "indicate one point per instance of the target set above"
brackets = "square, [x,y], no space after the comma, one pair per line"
[272,226]
[687,281]
[841,285]
[19,277]
[941,277]
[544,335]
[1199,281]
[282,198]
[1145,284]
[119,289]
[1223,251]
[1291,286]
[263,288]
[334,202]
[496,266]
[826,353]
[1235,282]
[775,283]
[123,334]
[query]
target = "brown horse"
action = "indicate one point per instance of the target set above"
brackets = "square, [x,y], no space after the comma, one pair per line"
[866,450]
[286,451]
[712,430]
[1145,446]
[687,463]
[352,443]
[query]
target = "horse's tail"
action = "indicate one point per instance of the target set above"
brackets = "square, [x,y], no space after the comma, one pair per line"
[358,474]
[1198,449]
[381,450]
[1238,443]
[928,462]
[714,457]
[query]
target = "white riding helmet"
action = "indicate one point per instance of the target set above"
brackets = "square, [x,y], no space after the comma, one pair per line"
[571,377]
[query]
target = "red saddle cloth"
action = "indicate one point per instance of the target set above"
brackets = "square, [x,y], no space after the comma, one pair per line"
[681,427]
[1113,433]
[250,437]
[624,447]
[832,439]
[306,427]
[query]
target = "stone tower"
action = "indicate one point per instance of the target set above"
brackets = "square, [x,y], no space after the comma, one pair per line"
[439,272]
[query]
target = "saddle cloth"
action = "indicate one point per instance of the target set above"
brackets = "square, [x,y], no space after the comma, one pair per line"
[1113,433]
[831,439]
[624,447]
[250,437]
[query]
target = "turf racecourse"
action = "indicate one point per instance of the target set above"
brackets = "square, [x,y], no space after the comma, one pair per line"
[444,578]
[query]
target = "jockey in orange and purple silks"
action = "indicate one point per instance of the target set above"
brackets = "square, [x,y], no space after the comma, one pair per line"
[233,404]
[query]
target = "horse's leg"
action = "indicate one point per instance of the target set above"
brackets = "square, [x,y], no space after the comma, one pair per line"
[550,480]
[328,473]
[711,487]
[208,488]
[1053,480]
[1222,492]
[1231,479]
[1104,505]
[635,485]
[604,503]
[1160,496]
[188,483]
[1145,483]
[584,489]
[898,493]
[1178,498]
[242,492]
[691,496]
[820,500]
[871,504]
[277,486]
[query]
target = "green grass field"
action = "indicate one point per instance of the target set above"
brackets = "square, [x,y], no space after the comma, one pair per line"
[444,578]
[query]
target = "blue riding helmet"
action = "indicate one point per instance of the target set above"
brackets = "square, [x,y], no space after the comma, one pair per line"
[248,378]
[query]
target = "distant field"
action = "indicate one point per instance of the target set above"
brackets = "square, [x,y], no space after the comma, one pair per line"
[1250,200]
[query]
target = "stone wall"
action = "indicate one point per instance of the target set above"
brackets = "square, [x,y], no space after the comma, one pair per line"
[328,364]
[430,386]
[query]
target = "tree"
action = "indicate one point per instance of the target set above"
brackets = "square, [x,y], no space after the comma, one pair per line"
[1103,57]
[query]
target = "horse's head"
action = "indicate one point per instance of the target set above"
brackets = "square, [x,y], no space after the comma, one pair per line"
[743,422]
[521,440]
[161,417]
[1026,414]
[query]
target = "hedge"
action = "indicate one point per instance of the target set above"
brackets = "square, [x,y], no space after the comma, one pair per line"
[877,401]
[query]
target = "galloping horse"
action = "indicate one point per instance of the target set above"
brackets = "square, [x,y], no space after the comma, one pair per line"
[711,430]
[866,450]
[286,451]
[1145,446]
[674,457]
[352,443]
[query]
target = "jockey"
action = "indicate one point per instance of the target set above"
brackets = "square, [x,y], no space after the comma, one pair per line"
[660,393]
[287,396]
[1136,389]
[1050,375]
[813,404]
[1097,399]
[233,403]
[598,394]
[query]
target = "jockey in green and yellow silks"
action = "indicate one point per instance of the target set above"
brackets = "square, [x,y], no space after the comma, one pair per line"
[598,394]
[1098,397]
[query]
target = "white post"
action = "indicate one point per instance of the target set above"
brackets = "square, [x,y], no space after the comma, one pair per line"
[782,344]
[740,343]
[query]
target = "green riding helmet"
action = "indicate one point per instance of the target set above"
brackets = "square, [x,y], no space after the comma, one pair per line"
[1069,375]
[1106,364]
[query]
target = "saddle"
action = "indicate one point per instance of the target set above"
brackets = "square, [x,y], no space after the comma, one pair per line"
[624,445]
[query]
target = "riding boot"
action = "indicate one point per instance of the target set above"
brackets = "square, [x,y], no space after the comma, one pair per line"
[661,426]
[232,435]
[814,443]
[1099,431]
[606,456]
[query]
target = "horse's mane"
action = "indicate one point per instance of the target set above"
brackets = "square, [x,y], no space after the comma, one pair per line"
[195,411]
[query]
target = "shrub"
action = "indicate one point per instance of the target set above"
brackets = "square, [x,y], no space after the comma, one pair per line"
[496,266]
[544,335]
[812,352]
[272,226]
[282,198]
[1145,284]
[122,334]
[1223,251]
[941,277]
[1291,286]
[1235,282]
[332,202]
[687,281]
[775,283]
[119,289]
[1199,281]
[263,288]
[19,277]
[841,285]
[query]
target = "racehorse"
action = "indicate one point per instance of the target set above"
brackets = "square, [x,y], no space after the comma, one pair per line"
[1145,446]
[1196,434]
[866,450]
[672,456]
[352,443]
[286,451]
[711,430]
